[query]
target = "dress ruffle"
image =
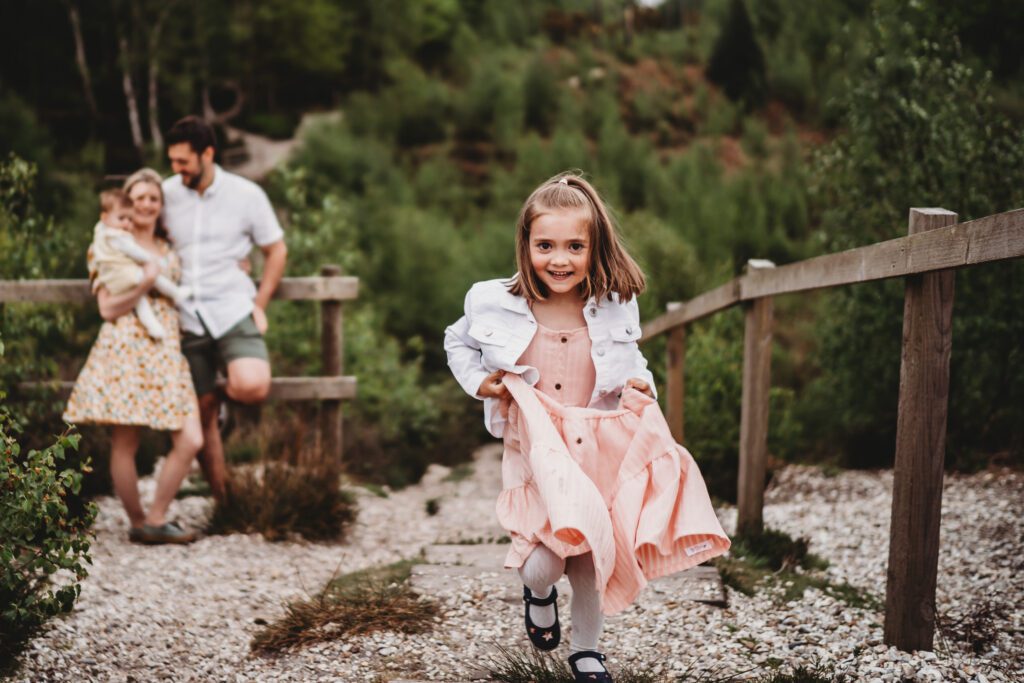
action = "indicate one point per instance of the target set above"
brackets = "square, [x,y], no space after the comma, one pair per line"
[612,482]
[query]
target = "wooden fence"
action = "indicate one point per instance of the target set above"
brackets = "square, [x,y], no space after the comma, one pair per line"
[330,389]
[927,257]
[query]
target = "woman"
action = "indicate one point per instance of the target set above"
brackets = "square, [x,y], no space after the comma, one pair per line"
[132,380]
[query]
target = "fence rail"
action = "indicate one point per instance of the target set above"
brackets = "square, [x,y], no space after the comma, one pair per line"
[927,258]
[330,289]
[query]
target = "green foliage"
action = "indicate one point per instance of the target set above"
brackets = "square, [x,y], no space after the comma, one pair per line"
[44,534]
[921,131]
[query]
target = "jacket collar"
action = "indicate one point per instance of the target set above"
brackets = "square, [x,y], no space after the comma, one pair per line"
[518,304]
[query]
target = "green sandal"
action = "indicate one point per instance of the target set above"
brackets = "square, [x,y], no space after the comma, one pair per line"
[168,532]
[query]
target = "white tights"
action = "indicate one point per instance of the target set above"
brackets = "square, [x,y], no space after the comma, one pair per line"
[542,570]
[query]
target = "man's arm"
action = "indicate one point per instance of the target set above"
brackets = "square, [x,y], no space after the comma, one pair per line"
[275,255]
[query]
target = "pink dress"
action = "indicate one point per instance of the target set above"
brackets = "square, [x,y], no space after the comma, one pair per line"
[613,483]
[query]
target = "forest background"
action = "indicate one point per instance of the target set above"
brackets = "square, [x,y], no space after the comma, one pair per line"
[718,130]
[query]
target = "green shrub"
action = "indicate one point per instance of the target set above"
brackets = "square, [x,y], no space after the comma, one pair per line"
[737,62]
[44,535]
[921,130]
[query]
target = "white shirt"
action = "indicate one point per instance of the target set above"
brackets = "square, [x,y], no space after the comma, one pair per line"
[212,232]
[498,326]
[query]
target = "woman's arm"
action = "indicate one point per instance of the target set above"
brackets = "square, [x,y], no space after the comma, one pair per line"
[113,306]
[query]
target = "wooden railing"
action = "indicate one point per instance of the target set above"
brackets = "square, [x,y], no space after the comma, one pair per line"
[330,389]
[927,257]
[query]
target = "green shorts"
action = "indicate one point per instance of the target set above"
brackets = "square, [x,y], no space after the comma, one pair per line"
[206,355]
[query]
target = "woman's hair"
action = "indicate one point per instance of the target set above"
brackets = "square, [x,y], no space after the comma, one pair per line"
[148,175]
[611,268]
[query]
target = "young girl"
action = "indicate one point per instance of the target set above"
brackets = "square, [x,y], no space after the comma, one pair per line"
[593,484]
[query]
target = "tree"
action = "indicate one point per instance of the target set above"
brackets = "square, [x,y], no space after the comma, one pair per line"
[737,63]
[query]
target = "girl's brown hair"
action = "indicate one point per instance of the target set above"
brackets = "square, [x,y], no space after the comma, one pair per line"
[612,269]
[148,175]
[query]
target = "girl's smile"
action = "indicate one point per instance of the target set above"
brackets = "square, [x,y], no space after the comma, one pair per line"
[560,250]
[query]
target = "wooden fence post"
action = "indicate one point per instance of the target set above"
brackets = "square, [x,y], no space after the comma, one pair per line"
[675,351]
[757,357]
[920,449]
[331,348]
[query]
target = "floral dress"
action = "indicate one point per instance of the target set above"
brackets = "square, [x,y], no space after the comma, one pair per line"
[131,378]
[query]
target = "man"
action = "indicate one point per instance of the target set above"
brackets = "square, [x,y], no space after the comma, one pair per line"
[214,218]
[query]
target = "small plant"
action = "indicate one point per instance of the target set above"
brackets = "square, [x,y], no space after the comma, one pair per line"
[375,599]
[460,472]
[43,529]
[278,499]
[978,628]
[775,556]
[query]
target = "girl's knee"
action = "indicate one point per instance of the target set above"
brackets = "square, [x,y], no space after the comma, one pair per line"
[542,568]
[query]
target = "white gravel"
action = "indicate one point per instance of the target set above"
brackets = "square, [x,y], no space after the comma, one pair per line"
[188,613]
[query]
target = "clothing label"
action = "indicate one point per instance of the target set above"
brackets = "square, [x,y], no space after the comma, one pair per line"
[699,548]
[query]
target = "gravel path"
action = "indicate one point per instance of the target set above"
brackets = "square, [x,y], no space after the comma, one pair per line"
[188,613]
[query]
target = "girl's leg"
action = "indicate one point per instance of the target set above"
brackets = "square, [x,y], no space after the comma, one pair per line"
[587,618]
[540,573]
[124,442]
[186,442]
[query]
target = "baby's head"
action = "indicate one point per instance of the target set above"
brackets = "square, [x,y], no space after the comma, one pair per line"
[593,258]
[116,209]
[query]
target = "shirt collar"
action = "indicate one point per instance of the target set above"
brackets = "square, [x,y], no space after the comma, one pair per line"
[218,173]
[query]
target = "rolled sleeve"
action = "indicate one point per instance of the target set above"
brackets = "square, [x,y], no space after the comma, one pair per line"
[266,229]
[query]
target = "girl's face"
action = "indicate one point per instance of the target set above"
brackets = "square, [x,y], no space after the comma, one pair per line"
[146,204]
[560,250]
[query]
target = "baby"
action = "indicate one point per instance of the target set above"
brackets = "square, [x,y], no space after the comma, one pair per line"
[116,255]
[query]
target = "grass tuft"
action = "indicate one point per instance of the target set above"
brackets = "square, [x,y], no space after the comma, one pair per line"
[777,558]
[376,599]
[460,472]
[978,628]
[278,500]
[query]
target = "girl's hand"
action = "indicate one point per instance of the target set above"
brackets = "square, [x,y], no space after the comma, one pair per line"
[640,386]
[492,387]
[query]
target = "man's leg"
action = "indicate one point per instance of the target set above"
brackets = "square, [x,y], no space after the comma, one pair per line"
[201,352]
[248,380]
[211,457]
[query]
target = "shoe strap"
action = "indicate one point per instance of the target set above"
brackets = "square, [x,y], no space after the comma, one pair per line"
[539,602]
[586,654]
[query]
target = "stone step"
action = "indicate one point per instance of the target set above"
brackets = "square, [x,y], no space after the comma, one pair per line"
[449,565]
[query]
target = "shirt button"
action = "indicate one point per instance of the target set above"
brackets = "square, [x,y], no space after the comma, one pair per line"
[603,392]
[565,339]
[600,352]
[593,312]
[558,387]
[629,330]
[579,440]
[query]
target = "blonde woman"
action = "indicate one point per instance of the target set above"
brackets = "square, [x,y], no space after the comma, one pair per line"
[133,381]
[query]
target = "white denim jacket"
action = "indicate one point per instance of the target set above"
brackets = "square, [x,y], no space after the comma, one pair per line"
[498,326]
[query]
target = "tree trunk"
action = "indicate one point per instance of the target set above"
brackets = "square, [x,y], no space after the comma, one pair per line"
[153,108]
[83,65]
[129,96]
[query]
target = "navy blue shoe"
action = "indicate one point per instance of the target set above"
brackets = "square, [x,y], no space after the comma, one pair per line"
[589,676]
[542,638]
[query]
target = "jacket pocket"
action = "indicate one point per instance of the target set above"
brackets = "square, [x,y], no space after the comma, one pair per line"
[625,333]
[489,333]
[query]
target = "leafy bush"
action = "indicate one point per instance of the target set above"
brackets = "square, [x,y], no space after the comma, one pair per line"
[44,529]
[737,62]
[922,130]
